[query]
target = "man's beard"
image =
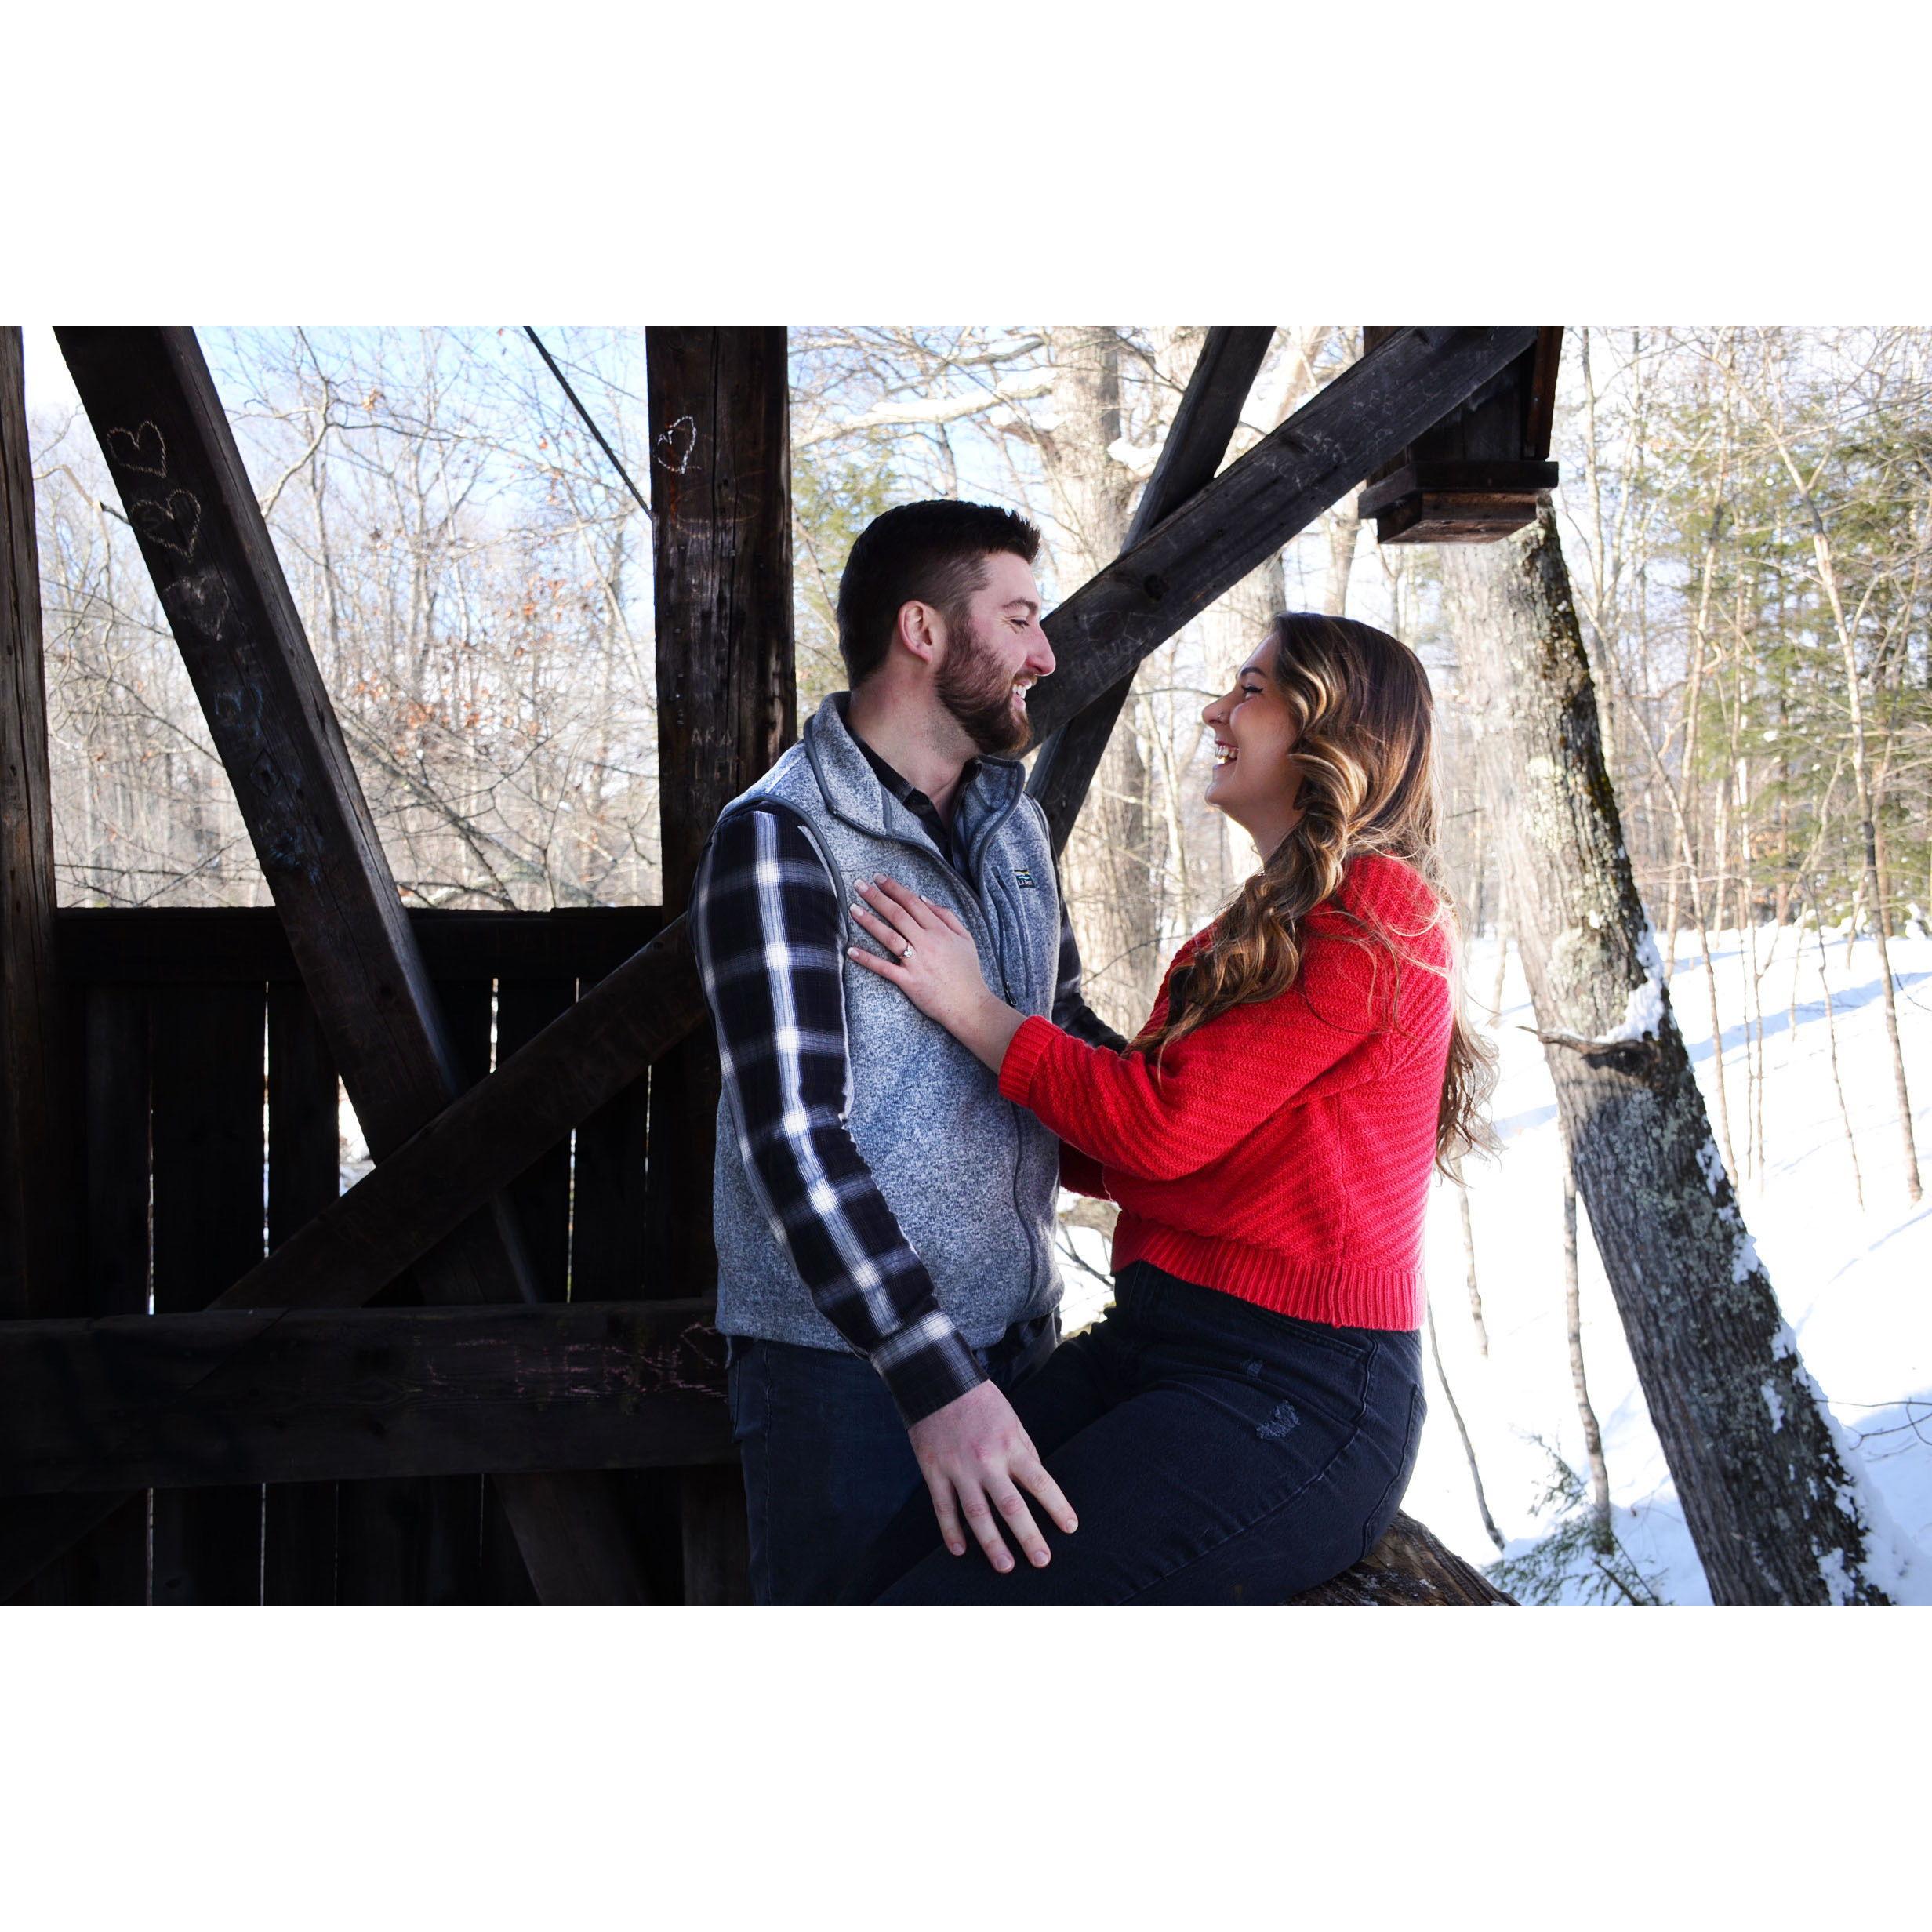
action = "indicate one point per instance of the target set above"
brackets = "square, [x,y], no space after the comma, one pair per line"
[978,695]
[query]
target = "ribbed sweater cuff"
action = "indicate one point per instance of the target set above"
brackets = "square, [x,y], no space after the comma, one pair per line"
[1024,1052]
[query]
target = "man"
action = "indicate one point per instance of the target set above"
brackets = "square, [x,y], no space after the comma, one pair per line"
[883,1218]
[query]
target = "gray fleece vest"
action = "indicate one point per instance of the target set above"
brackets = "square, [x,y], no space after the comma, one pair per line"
[971,1178]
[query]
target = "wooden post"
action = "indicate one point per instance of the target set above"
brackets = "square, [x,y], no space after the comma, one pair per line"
[207,1112]
[299,1519]
[39,1230]
[187,496]
[720,503]
[36,1142]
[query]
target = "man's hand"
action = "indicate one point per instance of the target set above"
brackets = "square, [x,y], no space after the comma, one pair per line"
[972,1453]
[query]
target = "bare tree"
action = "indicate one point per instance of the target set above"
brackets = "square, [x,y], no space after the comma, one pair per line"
[1772,1499]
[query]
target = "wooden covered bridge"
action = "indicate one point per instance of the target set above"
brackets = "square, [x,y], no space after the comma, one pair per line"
[485,1372]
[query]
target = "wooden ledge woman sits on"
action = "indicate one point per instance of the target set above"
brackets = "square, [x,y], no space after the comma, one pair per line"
[1241,1426]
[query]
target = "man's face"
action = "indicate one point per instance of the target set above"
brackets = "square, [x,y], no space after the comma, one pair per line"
[993,659]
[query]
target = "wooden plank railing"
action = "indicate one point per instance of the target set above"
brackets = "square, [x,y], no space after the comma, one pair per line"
[191,987]
[192,1404]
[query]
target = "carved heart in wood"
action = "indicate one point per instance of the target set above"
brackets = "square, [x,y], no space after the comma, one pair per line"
[176,523]
[201,597]
[144,449]
[674,445]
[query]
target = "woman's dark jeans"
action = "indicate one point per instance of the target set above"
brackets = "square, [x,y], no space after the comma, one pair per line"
[1215,1452]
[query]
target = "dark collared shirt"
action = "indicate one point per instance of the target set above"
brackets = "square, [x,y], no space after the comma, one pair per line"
[917,803]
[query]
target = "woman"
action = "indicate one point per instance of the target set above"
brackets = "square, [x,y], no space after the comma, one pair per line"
[1241,1426]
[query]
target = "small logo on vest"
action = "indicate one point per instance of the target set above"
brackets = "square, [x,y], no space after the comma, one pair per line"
[1022,875]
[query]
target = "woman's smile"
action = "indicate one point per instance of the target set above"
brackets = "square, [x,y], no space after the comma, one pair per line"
[1254,779]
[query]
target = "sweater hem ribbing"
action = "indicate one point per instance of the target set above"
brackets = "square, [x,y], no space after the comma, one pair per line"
[1339,1297]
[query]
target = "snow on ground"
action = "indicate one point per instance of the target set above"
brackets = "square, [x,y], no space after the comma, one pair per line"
[1855,1284]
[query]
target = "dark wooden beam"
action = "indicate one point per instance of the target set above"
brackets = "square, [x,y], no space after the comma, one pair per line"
[36,1136]
[721,519]
[1341,433]
[188,1401]
[42,1229]
[721,509]
[727,706]
[1477,474]
[1198,438]
[182,481]
[352,1250]
[203,945]
[588,1055]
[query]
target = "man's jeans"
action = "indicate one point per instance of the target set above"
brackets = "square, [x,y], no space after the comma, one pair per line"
[826,1459]
[1213,1451]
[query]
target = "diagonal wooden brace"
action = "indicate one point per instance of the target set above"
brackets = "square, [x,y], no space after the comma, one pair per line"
[174,460]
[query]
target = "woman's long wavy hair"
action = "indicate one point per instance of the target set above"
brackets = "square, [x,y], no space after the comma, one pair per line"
[1364,753]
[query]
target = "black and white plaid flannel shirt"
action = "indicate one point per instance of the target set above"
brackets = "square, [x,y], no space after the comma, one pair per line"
[769,925]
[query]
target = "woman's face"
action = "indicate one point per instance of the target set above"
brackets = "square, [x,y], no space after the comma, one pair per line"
[1255,780]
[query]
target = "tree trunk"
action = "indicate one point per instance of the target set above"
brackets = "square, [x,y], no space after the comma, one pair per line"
[1771,1494]
[1109,862]
[1462,1429]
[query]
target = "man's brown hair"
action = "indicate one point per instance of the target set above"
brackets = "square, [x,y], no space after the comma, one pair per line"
[930,553]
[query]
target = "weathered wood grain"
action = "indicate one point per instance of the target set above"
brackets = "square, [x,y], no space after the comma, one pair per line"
[207,1226]
[37,1233]
[206,945]
[42,1035]
[584,1058]
[720,511]
[181,1402]
[727,706]
[1409,1567]
[1475,476]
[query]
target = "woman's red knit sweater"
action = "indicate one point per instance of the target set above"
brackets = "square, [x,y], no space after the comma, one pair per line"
[1283,1153]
